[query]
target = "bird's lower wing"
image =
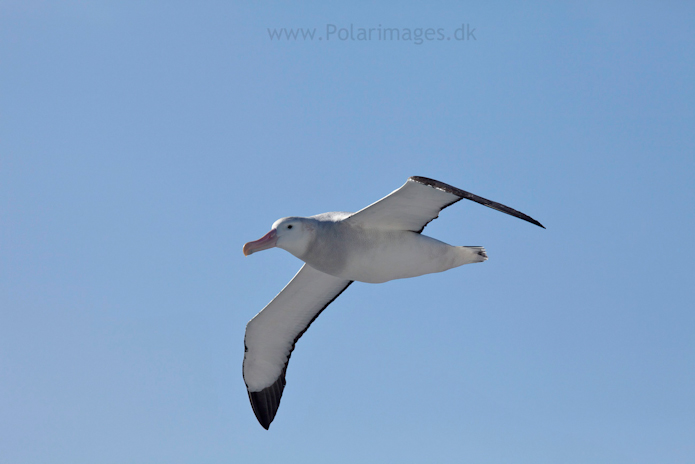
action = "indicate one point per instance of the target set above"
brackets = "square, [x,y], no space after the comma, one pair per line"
[419,202]
[272,334]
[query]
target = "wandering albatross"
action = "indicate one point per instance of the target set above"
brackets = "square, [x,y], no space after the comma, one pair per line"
[379,243]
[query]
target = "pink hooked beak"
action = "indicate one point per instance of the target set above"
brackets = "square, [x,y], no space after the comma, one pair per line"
[269,240]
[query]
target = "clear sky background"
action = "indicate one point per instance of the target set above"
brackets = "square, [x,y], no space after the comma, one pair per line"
[142,144]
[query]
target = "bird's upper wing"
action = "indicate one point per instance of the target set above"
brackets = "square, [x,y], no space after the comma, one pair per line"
[272,333]
[418,202]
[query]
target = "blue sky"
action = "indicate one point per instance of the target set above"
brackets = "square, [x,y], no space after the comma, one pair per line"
[142,145]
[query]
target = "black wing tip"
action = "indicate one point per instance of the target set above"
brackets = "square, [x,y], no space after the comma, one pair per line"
[483,201]
[265,403]
[527,218]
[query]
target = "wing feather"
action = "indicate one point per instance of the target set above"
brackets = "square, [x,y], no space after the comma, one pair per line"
[418,202]
[271,336]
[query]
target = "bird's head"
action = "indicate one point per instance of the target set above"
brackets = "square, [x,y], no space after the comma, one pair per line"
[293,234]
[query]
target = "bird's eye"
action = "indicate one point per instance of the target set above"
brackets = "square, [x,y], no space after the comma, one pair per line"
[290,226]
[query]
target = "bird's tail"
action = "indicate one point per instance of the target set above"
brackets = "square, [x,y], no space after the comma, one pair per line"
[471,254]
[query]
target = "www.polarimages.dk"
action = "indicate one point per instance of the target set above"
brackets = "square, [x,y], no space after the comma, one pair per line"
[417,35]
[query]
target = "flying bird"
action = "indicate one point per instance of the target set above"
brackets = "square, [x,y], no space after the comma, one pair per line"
[379,243]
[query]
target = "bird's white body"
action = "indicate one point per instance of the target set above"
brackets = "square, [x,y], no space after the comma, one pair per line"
[376,255]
